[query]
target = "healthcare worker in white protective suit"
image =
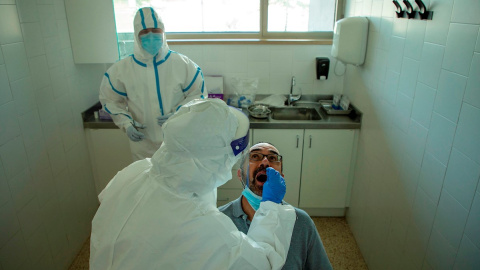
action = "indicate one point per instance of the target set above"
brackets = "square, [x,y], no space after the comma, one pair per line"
[152,83]
[161,213]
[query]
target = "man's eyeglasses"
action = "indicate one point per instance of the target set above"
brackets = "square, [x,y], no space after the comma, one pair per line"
[270,157]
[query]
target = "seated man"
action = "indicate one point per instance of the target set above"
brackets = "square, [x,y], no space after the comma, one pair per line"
[306,248]
[161,213]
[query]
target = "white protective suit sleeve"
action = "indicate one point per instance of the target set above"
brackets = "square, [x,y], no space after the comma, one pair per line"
[113,97]
[268,240]
[194,86]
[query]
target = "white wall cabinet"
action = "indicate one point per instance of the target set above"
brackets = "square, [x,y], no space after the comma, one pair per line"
[317,166]
[93,34]
[109,153]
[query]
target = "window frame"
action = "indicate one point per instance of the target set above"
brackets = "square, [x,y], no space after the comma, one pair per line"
[263,37]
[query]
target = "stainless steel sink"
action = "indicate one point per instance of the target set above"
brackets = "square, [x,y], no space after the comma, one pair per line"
[306,104]
[295,113]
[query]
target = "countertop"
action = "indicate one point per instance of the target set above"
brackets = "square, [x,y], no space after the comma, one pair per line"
[350,121]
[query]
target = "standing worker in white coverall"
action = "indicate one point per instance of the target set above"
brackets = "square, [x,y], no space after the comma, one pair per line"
[161,213]
[141,91]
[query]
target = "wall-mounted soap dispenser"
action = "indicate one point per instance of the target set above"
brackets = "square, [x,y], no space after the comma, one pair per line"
[323,65]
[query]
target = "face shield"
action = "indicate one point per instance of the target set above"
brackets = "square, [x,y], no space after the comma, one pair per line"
[240,142]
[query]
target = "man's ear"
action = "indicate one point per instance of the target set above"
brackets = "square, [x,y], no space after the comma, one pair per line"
[239,175]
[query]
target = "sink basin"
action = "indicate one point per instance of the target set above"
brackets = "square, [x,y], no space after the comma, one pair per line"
[306,104]
[295,113]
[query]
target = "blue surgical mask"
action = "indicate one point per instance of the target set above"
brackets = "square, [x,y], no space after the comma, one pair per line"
[152,42]
[252,198]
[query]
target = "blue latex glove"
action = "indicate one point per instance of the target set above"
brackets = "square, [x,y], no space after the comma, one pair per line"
[163,118]
[133,133]
[274,188]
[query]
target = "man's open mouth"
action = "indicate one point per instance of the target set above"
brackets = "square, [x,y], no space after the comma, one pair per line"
[261,176]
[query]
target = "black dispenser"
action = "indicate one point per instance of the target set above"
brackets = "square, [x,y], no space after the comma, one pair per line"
[323,65]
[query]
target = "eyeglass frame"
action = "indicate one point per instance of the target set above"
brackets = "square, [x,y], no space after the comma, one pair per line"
[280,157]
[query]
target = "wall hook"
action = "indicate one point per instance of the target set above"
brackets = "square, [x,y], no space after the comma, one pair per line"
[410,13]
[399,10]
[424,13]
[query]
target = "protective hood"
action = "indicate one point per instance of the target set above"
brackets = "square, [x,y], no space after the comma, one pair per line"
[147,18]
[202,142]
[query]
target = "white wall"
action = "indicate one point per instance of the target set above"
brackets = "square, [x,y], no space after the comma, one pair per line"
[273,64]
[47,194]
[416,201]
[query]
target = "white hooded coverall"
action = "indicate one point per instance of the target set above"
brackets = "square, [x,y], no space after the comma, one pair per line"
[161,213]
[142,87]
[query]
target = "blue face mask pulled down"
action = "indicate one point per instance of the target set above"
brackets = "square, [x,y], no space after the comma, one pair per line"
[152,42]
[252,198]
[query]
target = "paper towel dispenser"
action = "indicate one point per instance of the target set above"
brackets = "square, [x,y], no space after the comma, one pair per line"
[350,40]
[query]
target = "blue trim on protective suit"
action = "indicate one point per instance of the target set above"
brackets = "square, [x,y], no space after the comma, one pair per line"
[143,19]
[203,84]
[113,88]
[138,62]
[164,59]
[154,19]
[157,82]
[193,80]
[108,111]
[157,79]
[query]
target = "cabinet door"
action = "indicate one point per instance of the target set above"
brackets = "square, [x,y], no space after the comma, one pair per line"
[290,143]
[109,153]
[226,195]
[325,167]
[93,35]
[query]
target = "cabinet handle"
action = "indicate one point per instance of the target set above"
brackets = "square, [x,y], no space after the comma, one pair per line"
[310,146]
[298,138]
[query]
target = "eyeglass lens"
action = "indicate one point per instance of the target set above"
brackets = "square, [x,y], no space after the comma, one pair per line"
[270,157]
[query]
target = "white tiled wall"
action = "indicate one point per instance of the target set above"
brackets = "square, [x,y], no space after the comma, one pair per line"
[422,122]
[274,65]
[47,194]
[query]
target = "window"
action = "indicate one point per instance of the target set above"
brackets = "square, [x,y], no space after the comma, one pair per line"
[301,16]
[231,20]
[195,16]
[227,19]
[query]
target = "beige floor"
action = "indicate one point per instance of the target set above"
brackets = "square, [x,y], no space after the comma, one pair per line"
[341,247]
[337,238]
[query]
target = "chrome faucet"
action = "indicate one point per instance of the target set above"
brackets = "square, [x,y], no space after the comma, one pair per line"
[291,97]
